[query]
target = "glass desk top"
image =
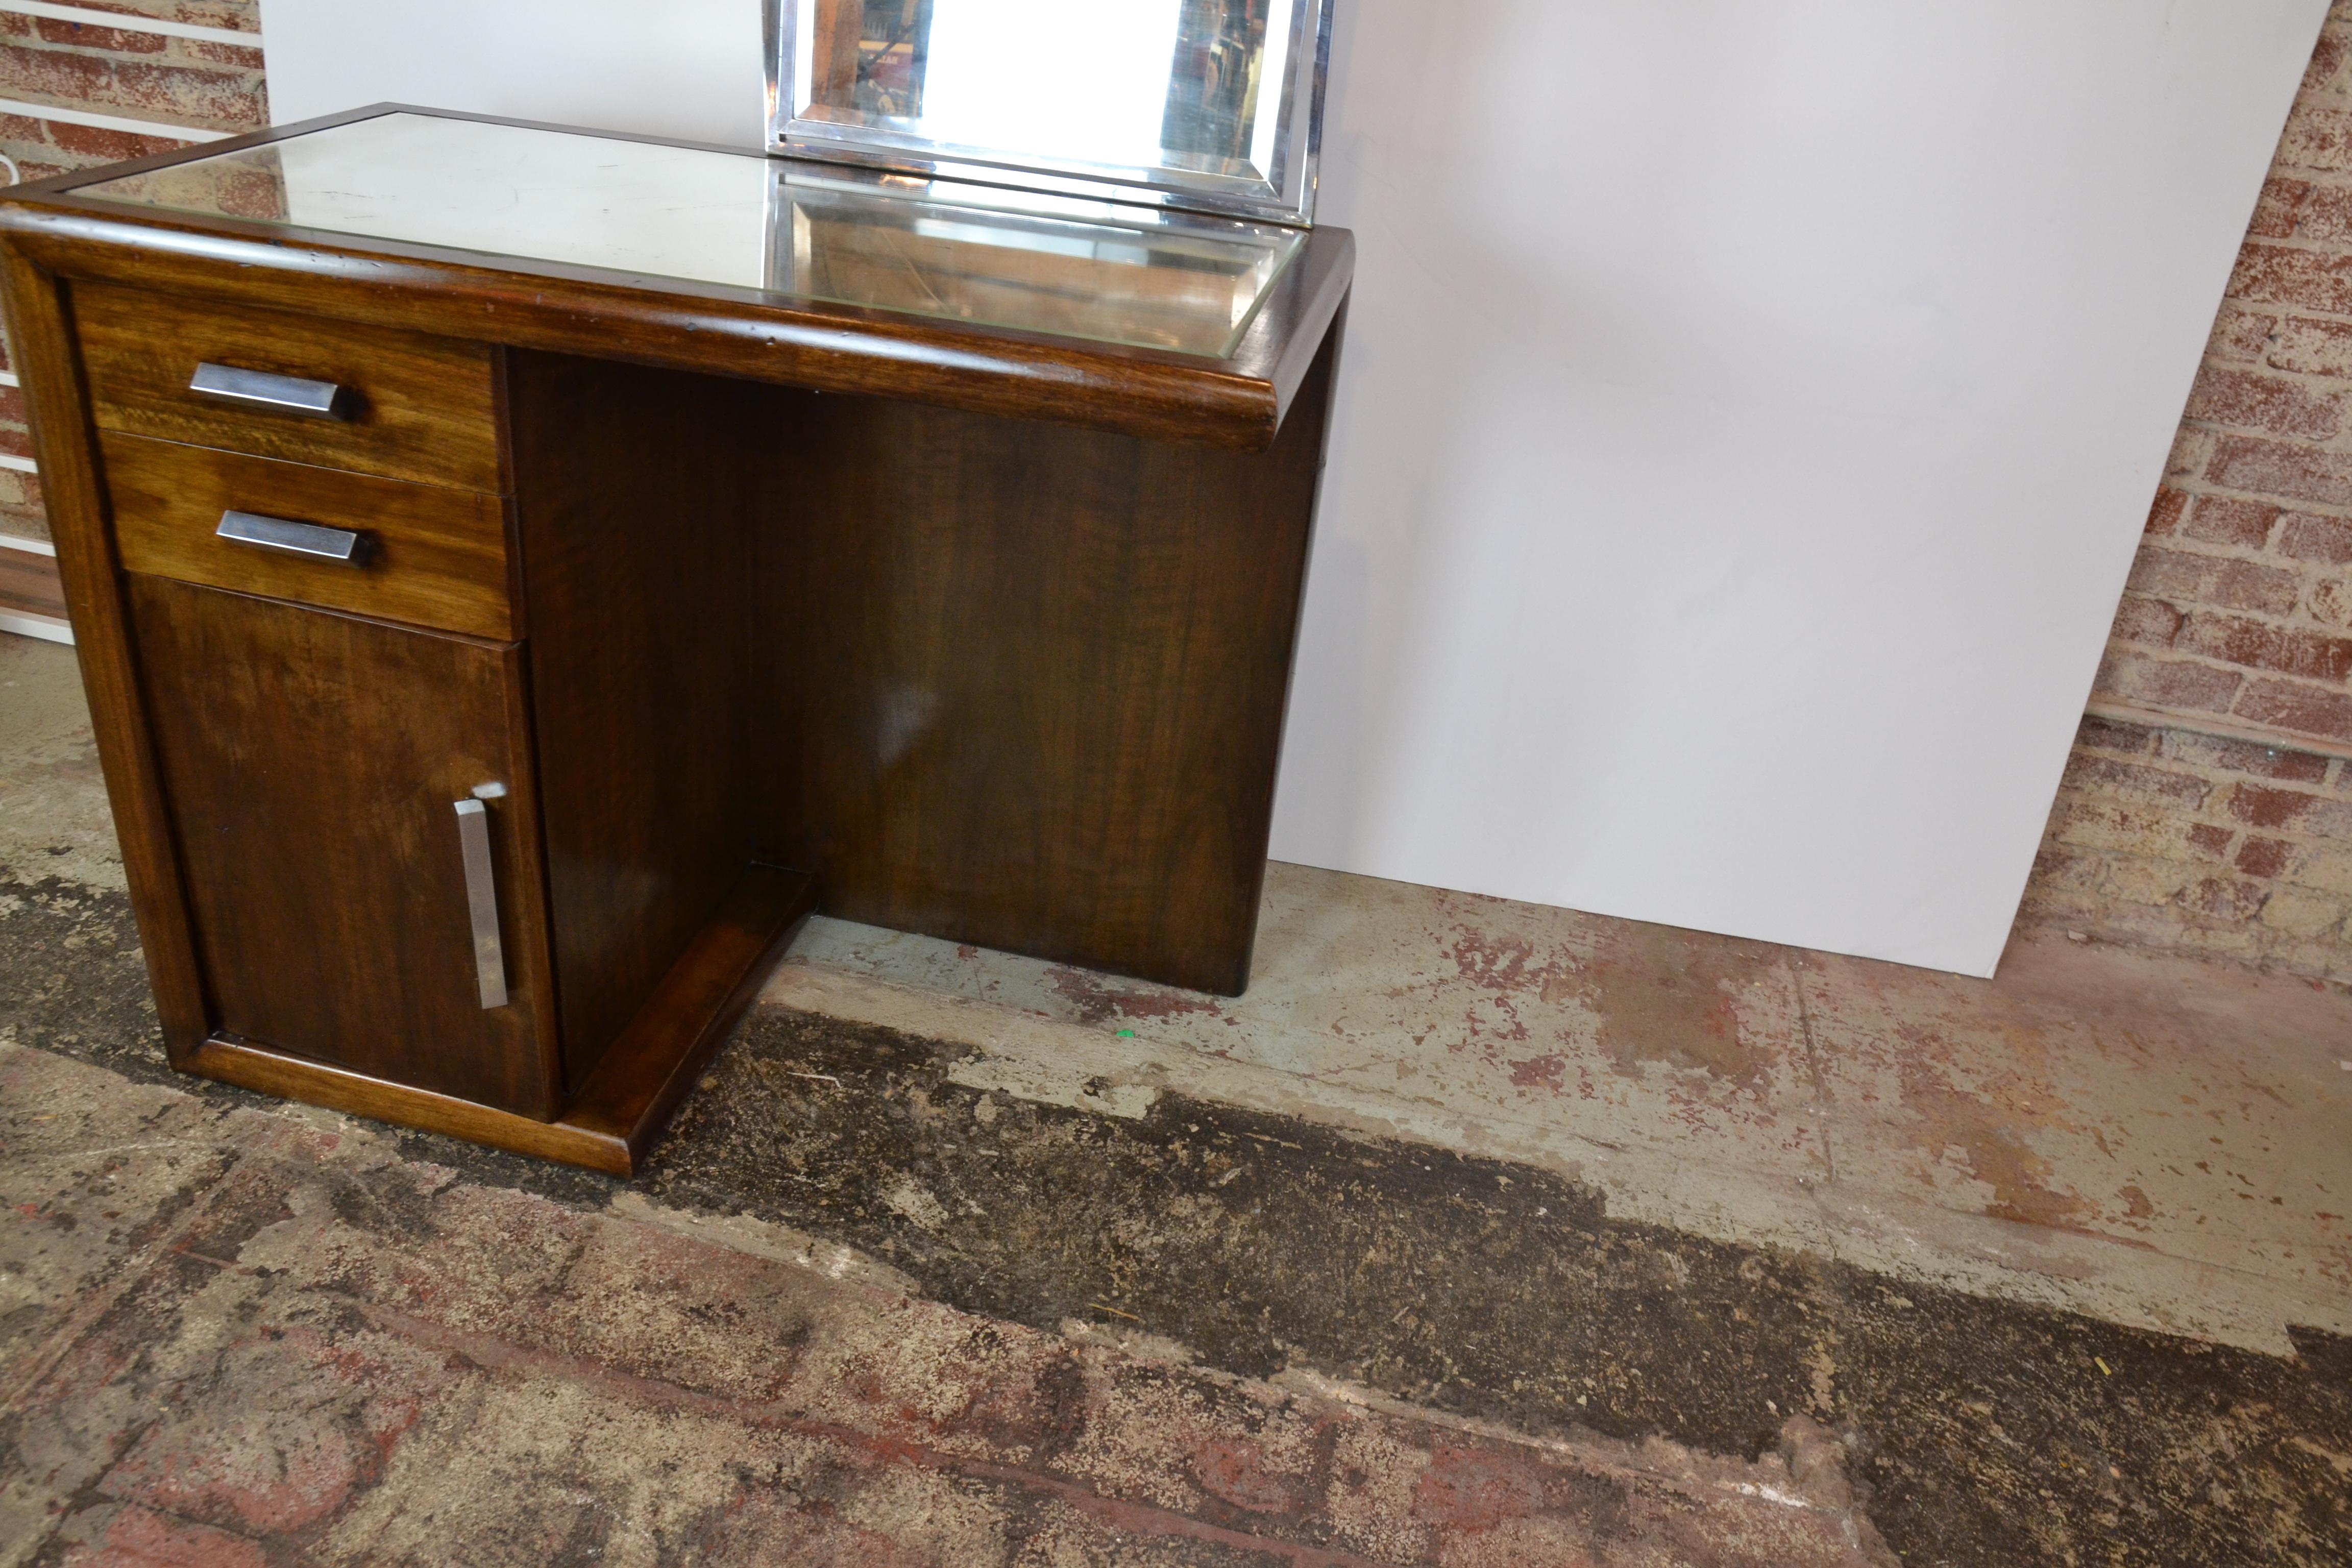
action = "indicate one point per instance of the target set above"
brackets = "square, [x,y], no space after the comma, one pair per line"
[1134,275]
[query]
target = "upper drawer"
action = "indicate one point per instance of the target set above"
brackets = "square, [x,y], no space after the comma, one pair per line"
[415,407]
[427,555]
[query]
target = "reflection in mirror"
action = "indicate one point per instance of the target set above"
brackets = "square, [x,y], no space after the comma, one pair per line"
[1111,271]
[1199,88]
[1083,270]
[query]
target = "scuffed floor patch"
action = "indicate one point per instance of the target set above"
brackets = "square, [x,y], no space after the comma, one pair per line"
[235,1330]
[242,1335]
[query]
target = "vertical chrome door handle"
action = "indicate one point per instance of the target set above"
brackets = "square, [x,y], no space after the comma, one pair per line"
[482,900]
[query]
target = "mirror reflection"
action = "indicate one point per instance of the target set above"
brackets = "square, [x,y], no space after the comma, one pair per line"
[1181,84]
[1078,269]
[981,254]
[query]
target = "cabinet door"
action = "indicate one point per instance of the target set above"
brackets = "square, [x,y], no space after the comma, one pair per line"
[314,762]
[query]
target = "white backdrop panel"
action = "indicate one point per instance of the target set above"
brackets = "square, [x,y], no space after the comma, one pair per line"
[1748,413]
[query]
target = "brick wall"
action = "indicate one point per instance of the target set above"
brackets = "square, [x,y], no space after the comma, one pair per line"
[157,82]
[2208,803]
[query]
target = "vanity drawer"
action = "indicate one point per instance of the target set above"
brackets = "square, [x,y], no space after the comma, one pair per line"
[411,406]
[425,555]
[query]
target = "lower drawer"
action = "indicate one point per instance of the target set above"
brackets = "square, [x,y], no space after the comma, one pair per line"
[425,555]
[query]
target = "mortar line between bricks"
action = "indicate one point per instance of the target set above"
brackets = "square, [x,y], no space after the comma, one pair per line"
[133,1271]
[494,1353]
[1824,1103]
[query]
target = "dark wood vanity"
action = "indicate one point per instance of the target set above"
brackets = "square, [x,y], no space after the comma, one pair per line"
[495,656]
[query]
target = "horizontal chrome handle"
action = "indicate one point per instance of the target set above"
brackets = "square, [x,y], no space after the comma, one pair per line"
[283,394]
[482,901]
[294,538]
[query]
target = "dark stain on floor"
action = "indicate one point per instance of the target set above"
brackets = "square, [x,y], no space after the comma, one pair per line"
[1988,1434]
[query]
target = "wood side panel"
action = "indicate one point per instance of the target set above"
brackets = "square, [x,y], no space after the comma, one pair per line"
[632,506]
[250,1065]
[1026,683]
[654,1065]
[312,761]
[424,404]
[40,338]
[436,556]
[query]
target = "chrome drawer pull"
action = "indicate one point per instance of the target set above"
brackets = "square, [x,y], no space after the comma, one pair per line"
[294,538]
[482,901]
[261,389]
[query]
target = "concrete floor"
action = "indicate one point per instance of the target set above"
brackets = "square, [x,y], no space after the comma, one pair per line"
[1476,1232]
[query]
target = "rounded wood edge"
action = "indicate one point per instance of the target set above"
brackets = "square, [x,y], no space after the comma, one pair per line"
[703,328]
[231,1060]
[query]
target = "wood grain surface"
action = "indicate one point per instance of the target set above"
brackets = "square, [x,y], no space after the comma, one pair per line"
[42,350]
[619,1115]
[633,497]
[426,405]
[434,556]
[1024,684]
[313,761]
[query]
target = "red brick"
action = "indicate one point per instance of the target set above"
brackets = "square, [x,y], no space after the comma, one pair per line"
[178,94]
[2252,400]
[2280,204]
[2249,585]
[2264,856]
[2226,898]
[2321,215]
[112,146]
[2239,334]
[2198,688]
[2326,60]
[53,74]
[2208,839]
[2150,621]
[2275,468]
[2169,574]
[2327,539]
[123,41]
[2192,445]
[2244,757]
[2135,781]
[2331,602]
[235,15]
[2305,710]
[2165,515]
[2317,138]
[2226,519]
[2312,347]
[230,100]
[2257,644]
[2260,806]
[2277,275]
[2182,576]
[224,54]
[2113,735]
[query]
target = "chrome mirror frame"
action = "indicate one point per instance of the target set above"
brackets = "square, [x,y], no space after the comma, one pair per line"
[1285,194]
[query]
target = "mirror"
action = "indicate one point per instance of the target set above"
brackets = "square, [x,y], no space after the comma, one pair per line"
[1211,105]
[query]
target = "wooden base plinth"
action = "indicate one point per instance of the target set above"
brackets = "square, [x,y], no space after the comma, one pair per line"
[613,1119]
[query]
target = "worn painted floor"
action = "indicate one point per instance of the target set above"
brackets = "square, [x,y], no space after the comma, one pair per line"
[1477,1232]
[2154,1141]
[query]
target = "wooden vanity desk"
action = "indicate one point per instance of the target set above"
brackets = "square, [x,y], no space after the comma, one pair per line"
[520,574]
